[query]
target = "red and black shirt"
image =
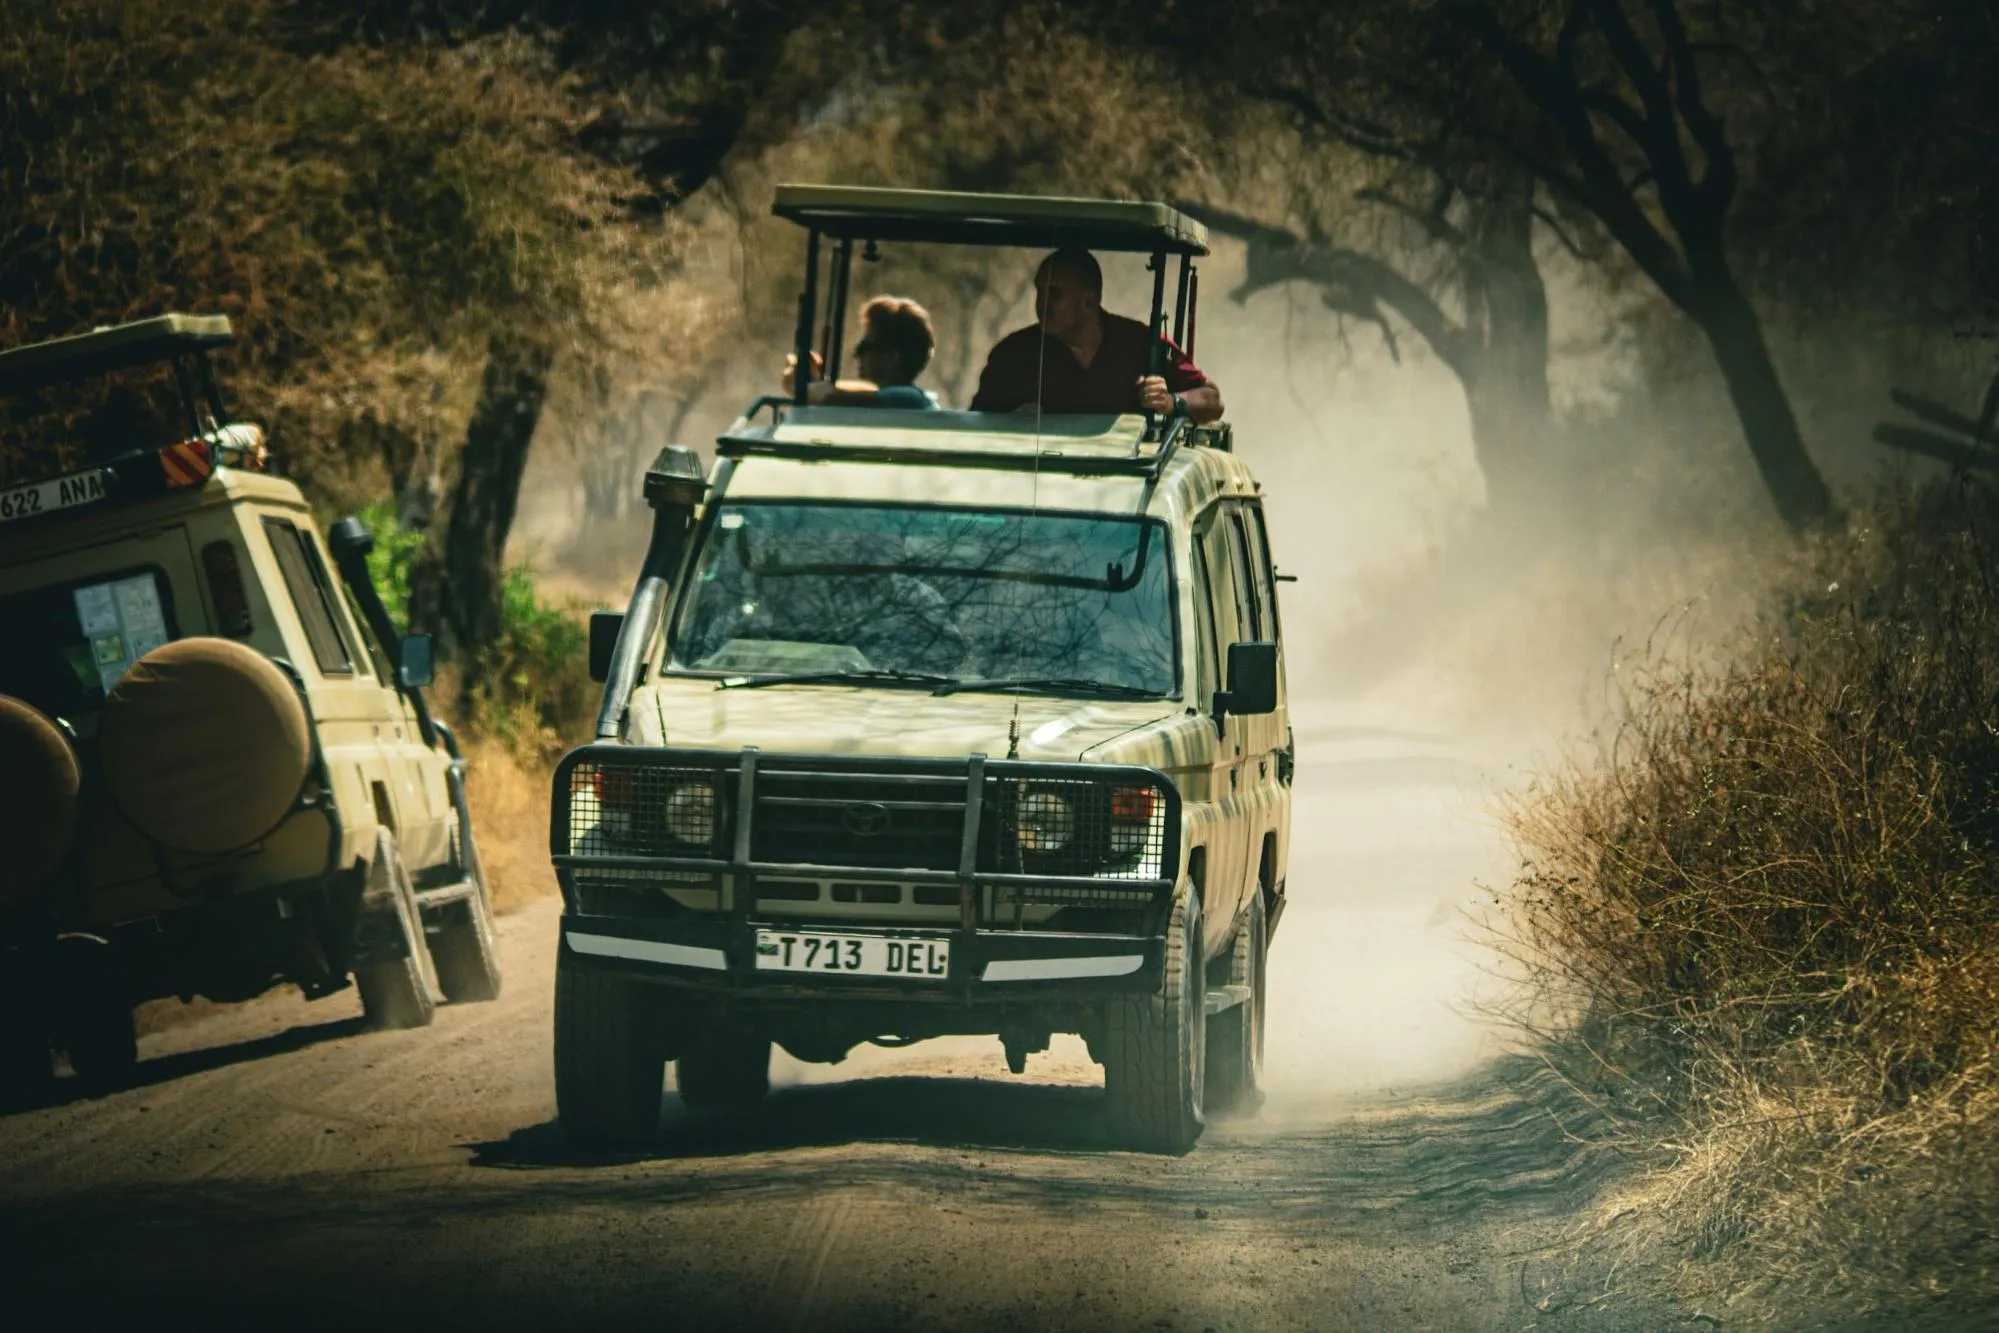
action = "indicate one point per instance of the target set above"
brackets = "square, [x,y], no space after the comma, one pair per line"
[1108,384]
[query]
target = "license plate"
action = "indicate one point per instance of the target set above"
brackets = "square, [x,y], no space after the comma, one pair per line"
[852,955]
[45,497]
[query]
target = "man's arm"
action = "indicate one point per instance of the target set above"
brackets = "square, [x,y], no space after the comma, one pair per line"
[1202,396]
[1204,401]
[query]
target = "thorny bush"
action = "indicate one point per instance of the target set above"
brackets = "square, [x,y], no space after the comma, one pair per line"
[1761,926]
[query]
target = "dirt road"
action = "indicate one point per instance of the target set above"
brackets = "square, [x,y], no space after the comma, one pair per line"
[280,1167]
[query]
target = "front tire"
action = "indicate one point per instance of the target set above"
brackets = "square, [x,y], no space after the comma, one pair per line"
[723,1071]
[1154,1080]
[395,990]
[1235,1035]
[609,1066]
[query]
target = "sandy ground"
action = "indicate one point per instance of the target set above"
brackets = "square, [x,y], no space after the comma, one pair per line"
[279,1166]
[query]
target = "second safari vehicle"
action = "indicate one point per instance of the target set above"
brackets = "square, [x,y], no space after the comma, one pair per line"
[924,723]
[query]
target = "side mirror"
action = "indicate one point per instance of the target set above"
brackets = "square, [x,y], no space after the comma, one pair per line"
[1252,687]
[415,667]
[604,627]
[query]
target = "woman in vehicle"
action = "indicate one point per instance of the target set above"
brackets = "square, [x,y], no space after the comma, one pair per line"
[896,343]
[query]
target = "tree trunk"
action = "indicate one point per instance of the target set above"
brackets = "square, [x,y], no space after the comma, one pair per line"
[1505,376]
[460,597]
[1735,335]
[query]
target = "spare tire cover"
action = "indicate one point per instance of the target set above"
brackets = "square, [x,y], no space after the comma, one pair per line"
[205,745]
[41,788]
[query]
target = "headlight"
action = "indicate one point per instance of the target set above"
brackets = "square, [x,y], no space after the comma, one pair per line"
[690,813]
[1047,822]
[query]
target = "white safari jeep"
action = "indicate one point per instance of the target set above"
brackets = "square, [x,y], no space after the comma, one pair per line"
[217,770]
[933,722]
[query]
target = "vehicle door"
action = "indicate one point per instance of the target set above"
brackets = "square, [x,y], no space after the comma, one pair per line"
[373,751]
[1217,568]
[1266,739]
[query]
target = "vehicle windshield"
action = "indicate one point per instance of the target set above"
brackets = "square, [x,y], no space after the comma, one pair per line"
[783,588]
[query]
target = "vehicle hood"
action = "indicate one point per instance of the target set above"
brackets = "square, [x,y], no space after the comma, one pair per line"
[846,719]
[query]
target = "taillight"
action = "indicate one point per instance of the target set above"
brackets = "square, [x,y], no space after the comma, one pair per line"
[225,588]
[1133,805]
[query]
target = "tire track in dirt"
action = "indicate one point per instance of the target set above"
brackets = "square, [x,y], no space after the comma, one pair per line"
[421,1172]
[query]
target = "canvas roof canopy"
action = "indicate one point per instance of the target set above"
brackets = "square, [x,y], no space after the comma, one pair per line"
[863,213]
[118,347]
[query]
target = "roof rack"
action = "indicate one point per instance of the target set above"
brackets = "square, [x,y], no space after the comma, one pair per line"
[1088,446]
[115,347]
[861,213]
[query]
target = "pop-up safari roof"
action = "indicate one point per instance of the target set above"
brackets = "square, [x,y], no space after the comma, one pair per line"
[850,214]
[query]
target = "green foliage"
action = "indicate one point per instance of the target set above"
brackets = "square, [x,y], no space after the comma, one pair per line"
[535,691]
[394,558]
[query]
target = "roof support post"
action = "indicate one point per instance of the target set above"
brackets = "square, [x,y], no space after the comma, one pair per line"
[843,264]
[808,306]
[1193,309]
[1180,302]
[184,381]
[1157,354]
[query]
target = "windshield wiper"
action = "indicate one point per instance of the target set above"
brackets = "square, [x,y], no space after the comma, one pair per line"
[878,675]
[1077,684]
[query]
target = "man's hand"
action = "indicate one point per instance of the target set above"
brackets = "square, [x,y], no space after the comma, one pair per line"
[1153,395]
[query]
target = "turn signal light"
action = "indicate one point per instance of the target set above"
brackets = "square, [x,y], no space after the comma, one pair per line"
[1133,805]
[613,786]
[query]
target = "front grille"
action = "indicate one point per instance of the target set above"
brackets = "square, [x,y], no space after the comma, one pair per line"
[886,821]
[1110,827]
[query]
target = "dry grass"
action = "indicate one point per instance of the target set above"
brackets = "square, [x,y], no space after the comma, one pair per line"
[1760,927]
[509,798]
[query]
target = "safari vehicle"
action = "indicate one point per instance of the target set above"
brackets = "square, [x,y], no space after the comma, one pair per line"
[217,769]
[933,722]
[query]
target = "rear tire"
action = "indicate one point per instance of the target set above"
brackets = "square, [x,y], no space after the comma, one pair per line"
[1154,1083]
[464,950]
[93,1015]
[1235,1035]
[396,992]
[609,1066]
[102,1042]
[723,1071]
[27,1064]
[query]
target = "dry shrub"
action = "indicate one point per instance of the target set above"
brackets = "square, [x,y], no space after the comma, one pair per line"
[1760,925]
[509,798]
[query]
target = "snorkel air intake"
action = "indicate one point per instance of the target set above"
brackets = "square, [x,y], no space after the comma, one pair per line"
[674,486]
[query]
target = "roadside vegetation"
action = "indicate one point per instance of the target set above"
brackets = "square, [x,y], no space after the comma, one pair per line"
[1761,931]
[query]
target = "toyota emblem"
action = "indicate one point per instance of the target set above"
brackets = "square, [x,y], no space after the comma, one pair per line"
[866,819]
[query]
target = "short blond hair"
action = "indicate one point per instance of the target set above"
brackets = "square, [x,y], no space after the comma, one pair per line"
[904,326]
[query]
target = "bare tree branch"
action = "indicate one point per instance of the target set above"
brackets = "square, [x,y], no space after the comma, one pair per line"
[1432,220]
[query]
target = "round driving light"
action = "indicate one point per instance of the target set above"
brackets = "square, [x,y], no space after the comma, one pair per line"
[1046,822]
[690,813]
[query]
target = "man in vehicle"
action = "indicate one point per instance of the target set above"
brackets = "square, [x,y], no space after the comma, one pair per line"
[1082,358]
[897,341]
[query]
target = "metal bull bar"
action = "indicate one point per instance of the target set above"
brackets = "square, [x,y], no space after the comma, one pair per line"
[734,842]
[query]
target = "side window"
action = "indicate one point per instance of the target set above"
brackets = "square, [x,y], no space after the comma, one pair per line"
[1206,652]
[1231,586]
[312,593]
[1264,572]
[1249,589]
